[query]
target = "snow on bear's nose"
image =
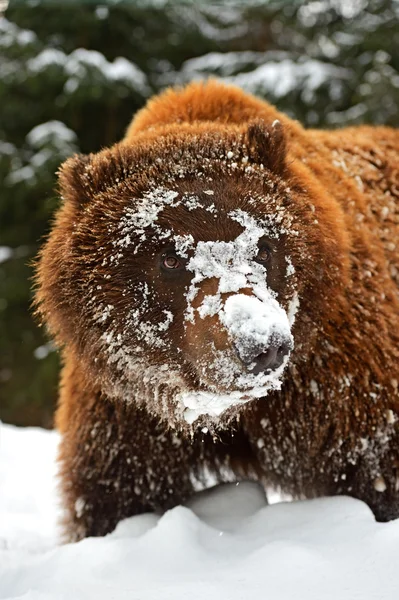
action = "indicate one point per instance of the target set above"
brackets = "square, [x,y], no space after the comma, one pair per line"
[259,331]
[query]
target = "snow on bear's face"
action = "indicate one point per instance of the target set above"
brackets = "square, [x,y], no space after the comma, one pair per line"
[209,298]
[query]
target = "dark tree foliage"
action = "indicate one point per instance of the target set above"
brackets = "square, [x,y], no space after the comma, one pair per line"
[71,77]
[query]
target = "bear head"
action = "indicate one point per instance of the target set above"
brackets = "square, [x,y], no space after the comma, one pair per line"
[189,270]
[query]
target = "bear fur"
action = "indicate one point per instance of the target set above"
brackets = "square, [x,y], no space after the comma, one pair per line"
[113,286]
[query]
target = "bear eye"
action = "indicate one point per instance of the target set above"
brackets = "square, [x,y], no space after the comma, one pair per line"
[171,262]
[264,255]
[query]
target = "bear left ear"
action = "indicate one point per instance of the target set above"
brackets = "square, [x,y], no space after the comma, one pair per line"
[267,145]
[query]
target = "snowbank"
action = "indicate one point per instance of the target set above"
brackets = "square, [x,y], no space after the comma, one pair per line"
[228,544]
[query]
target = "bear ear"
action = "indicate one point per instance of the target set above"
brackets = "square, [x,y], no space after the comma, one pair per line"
[75,183]
[267,145]
[81,177]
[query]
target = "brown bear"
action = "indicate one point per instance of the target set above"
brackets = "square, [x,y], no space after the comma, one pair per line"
[224,286]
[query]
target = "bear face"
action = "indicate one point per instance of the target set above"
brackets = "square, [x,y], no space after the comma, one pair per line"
[177,265]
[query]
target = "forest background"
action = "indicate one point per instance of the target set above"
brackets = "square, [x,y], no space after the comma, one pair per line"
[72,74]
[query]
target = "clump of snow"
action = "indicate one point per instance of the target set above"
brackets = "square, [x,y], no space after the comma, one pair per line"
[283,77]
[183,243]
[201,403]
[248,386]
[78,66]
[224,64]
[146,331]
[152,203]
[7,149]
[252,323]
[120,69]
[11,34]
[43,351]
[137,220]
[271,74]
[210,306]
[54,132]
[244,500]
[379,484]
[293,308]
[49,143]
[225,544]
[164,325]
[290,267]
[232,263]
[144,216]
[46,58]
[24,174]
[5,253]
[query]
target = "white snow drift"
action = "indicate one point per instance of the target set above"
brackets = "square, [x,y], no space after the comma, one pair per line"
[226,544]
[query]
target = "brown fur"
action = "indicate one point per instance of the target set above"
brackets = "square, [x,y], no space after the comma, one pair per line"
[332,429]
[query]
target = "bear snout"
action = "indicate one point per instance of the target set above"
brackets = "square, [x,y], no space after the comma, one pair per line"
[259,331]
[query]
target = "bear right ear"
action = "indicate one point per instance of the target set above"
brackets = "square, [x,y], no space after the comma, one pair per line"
[75,183]
[267,144]
[81,177]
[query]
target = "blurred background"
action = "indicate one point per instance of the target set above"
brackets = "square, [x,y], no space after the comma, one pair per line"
[72,75]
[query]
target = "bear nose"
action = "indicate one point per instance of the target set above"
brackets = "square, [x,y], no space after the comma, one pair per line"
[266,359]
[270,360]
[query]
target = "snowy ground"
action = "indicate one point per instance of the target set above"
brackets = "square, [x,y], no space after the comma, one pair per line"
[227,545]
